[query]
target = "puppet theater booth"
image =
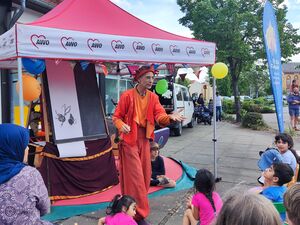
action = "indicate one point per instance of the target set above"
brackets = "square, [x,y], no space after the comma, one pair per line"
[77,158]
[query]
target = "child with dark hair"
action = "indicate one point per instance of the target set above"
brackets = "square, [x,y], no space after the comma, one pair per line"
[206,203]
[158,177]
[121,210]
[283,152]
[284,142]
[275,177]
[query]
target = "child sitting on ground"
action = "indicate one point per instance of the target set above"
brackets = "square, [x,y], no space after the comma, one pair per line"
[121,210]
[284,143]
[275,177]
[292,204]
[286,154]
[158,177]
[206,203]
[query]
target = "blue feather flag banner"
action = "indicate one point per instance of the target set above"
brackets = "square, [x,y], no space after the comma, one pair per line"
[272,45]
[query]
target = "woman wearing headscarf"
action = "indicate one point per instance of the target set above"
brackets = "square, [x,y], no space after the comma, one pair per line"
[23,194]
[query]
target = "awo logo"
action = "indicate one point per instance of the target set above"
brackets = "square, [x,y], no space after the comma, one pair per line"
[117,45]
[138,46]
[156,48]
[39,40]
[174,49]
[94,44]
[205,52]
[68,42]
[190,51]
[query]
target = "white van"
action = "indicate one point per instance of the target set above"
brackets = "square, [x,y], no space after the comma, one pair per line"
[178,97]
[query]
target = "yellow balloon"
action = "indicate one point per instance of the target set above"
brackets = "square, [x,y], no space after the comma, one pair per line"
[219,70]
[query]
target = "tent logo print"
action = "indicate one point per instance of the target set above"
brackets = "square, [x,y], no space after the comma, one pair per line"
[67,42]
[174,49]
[39,40]
[93,43]
[156,48]
[138,46]
[190,51]
[117,45]
[205,52]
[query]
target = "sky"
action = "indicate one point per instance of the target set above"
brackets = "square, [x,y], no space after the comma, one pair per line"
[165,14]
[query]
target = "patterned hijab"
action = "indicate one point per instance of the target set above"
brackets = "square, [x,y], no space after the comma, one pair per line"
[13,142]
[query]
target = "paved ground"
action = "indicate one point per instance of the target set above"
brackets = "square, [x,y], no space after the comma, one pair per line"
[237,151]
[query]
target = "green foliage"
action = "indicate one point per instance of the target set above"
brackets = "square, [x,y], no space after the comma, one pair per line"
[259,105]
[186,82]
[254,79]
[228,106]
[267,109]
[224,86]
[259,100]
[254,121]
[228,117]
[249,106]
[291,131]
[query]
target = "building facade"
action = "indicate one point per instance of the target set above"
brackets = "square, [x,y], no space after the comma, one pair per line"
[290,72]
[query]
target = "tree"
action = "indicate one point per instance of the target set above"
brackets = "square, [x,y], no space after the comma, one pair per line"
[186,82]
[236,28]
[255,81]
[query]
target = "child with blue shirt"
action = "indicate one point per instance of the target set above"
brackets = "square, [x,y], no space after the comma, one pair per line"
[275,177]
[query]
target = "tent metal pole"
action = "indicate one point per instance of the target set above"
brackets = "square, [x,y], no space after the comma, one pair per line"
[21,101]
[215,128]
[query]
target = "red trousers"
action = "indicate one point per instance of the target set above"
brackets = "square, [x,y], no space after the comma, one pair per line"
[135,171]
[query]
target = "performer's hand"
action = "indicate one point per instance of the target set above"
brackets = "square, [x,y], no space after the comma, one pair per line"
[125,128]
[176,116]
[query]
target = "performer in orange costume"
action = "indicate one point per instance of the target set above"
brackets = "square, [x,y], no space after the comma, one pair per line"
[135,117]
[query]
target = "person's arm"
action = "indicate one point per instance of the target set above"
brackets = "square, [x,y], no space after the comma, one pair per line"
[159,168]
[101,221]
[191,205]
[162,118]
[195,211]
[40,191]
[162,168]
[119,115]
[289,99]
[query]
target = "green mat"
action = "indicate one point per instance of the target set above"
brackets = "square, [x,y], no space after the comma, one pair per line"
[63,212]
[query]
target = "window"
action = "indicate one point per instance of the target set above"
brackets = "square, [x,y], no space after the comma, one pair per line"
[111,94]
[178,93]
[185,94]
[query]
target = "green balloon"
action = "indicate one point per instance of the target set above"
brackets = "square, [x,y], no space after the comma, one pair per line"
[161,86]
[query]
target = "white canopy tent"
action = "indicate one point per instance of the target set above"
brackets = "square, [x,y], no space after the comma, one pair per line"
[97,31]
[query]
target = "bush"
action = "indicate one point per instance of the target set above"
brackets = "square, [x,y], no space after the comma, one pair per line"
[228,117]
[259,101]
[254,121]
[228,106]
[267,109]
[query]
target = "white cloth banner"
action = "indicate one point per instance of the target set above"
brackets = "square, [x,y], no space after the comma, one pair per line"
[72,149]
[8,45]
[40,42]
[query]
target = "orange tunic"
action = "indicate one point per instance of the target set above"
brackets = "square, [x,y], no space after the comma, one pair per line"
[126,113]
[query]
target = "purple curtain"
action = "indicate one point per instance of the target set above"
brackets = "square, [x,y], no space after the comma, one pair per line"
[82,175]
